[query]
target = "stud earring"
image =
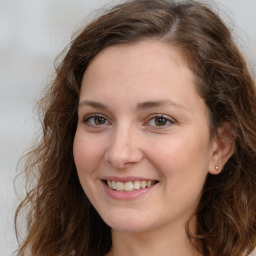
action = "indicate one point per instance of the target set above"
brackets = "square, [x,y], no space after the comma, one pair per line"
[217,167]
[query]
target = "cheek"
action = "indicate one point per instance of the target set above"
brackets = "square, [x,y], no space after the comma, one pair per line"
[87,153]
[181,154]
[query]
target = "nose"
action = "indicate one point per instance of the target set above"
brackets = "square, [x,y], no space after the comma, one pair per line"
[124,148]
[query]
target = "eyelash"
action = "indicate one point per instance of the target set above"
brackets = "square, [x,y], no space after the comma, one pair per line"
[93,117]
[167,121]
[153,118]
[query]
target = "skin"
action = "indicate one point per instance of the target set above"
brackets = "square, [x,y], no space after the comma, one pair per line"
[127,85]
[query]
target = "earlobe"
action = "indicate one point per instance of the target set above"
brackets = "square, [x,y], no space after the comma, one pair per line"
[224,147]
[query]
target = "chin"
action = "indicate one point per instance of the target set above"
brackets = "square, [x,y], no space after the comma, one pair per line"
[129,227]
[127,222]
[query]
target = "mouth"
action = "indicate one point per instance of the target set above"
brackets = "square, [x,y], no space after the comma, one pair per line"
[129,185]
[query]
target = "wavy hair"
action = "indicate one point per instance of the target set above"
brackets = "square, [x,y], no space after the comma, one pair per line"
[60,219]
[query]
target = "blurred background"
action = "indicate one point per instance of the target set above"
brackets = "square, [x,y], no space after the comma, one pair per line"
[32,34]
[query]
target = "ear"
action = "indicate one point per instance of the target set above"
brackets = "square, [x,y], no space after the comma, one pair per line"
[223,148]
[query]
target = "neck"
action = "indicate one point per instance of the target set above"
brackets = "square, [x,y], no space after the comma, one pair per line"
[164,242]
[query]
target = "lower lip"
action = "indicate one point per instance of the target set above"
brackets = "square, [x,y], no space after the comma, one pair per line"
[126,195]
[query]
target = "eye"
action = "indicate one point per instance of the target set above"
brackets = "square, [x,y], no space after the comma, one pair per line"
[160,121]
[96,120]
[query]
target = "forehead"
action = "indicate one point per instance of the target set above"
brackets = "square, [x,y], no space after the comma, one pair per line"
[146,60]
[149,49]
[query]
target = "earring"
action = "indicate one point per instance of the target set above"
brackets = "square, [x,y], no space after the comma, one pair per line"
[217,167]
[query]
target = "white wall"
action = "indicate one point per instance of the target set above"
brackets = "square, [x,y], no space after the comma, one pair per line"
[32,33]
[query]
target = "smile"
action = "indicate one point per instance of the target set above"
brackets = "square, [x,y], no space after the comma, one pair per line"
[129,185]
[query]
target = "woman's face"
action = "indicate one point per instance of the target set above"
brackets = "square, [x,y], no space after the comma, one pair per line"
[142,146]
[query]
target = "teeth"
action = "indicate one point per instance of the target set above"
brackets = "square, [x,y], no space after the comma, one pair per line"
[113,184]
[149,183]
[143,184]
[136,185]
[119,186]
[129,186]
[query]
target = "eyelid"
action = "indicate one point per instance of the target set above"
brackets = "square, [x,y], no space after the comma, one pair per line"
[93,115]
[87,117]
[168,118]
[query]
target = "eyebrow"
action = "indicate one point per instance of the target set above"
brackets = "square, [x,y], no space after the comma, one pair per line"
[93,104]
[140,106]
[158,103]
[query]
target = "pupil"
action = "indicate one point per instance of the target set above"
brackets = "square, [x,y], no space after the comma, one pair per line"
[100,120]
[160,121]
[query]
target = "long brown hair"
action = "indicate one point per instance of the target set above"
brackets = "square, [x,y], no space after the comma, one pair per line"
[61,220]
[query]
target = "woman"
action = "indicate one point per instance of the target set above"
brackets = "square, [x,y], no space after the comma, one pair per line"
[149,140]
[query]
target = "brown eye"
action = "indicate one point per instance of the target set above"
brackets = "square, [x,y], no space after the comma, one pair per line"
[95,120]
[160,121]
[98,120]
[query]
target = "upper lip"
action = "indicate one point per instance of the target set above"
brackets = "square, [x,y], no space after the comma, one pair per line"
[126,178]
